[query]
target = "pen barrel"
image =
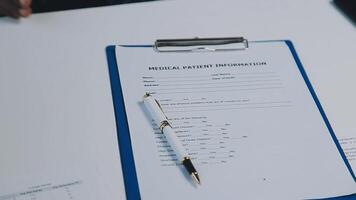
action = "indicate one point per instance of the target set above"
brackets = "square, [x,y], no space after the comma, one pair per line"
[175,143]
[154,110]
[160,119]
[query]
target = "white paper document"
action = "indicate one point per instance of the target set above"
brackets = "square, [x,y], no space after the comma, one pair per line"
[246,118]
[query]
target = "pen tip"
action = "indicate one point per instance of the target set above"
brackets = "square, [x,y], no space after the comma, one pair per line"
[195,176]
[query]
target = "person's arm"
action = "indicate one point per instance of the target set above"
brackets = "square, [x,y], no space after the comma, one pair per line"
[15,8]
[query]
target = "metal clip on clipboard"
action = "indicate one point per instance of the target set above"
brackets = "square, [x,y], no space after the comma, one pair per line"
[201,44]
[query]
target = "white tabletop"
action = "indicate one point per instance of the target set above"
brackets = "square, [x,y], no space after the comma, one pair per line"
[55,89]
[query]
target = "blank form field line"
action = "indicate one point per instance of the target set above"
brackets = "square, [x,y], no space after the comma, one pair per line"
[211,79]
[209,91]
[257,107]
[222,82]
[185,77]
[229,74]
[236,104]
[225,86]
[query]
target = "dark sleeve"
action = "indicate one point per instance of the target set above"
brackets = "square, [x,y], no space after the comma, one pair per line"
[39,6]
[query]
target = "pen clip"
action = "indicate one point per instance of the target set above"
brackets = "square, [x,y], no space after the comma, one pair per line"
[159,105]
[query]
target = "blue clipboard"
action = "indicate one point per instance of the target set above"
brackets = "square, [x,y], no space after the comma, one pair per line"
[123,132]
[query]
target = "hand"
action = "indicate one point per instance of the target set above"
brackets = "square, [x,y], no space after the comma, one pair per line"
[15,8]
